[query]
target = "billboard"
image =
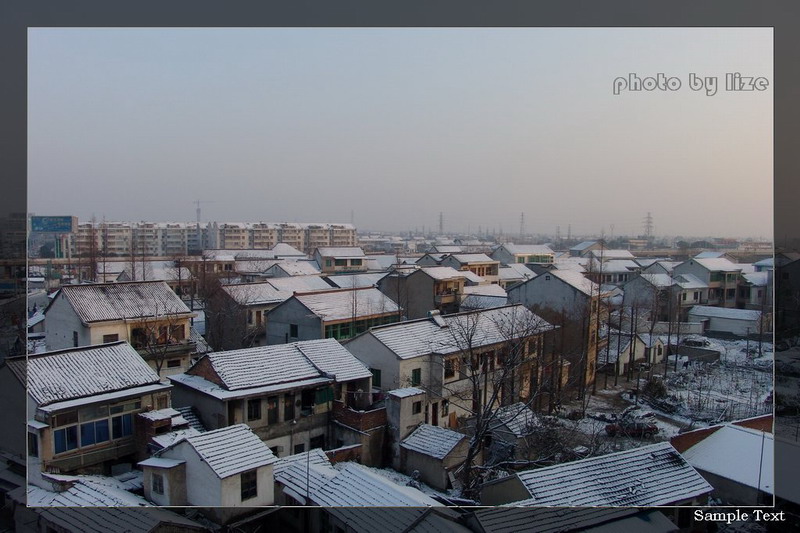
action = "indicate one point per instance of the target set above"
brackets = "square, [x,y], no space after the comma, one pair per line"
[53,224]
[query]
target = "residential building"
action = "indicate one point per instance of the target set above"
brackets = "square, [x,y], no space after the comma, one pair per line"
[514,273]
[719,274]
[421,290]
[509,254]
[82,404]
[624,353]
[227,471]
[755,291]
[654,475]
[331,314]
[435,453]
[147,314]
[445,354]
[582,249]
[739,322]
[340,259]
[479,264]
[286,393]
[236,314]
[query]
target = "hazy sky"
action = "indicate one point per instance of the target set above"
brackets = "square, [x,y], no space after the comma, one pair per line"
[397,125]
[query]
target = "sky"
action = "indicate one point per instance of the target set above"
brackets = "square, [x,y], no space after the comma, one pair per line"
[389,127]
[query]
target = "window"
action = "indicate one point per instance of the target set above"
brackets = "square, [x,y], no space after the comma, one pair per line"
[293,331]
[158,484]
[547,278]
[33,444]
[317,442]
[445,407]
[110,338]
[75,339]
[683,296]
[416,377]
[327,262]
[449,368]
[161,402]
[355,262]
[272,410]
[173,363]
[65,439]
[122,426]
[94,432]
[340,262]
[323,396]
[416,408]
[249,482]
[253,409]
[299,448]
[288,407]
[376,377]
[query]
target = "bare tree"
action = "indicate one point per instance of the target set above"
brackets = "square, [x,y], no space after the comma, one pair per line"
[157,332]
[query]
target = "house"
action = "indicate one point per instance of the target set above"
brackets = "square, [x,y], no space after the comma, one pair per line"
[421,290]
[582,249]
[286,393]
[739,322]
[648,476]
[236,314]
[406,409]
[355,281]
[737,460]
[479,264]
[178,277]
[483,297]
[512,274]
[224,469]
[755,291]
[331,314]
[604,254]
[664,295]
[82,403]
[431,354]
[510,254]
[147,314]
[624,353]
[292,268]
[570,300]
[342,259]
[613,272]
[434,452]
[510,428]
[719,274]
[660,266]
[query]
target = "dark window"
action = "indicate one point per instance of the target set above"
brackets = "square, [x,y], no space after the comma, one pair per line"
[288,407]
[317,442]
[341,262]
[323,396]
[299,448]
[272,410]
[177,333]
[293,331]
[110,338]
[683,296]
[122,426]
[33,444]
[355,262]
[445,407]
[75,339]
[65,439]
[547,278]
[274,450]
[158,484]
[253,409]
[249,485]
[173,363]
[327,262]
[449,368]
[416,408]
[376,377]
[416,377]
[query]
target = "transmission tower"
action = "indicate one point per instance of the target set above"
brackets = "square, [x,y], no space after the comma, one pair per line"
[441,223]
[648,226]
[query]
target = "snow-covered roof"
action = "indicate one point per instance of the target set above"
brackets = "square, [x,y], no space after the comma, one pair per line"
[356,486]
[690,281]
[219,392]
[84,492]
[159,462]
[577,264]
[472,277]
[612,254]
[528,249]
[722,312]
[434,441]
[160,414]
[350,281]
[406,392]
[36,318]
[228,451]
[249,294]
[314,456]
[715,264]
[343,304]
[658,280]
[341,252]
[297,268]
[292,284]
[423,336]
[617,344]
[466,259]
[709,255]
[282,249]
[98,302]
[441,273]
[167,439]
[646,476]
[187,413]
[446,249]
[82,372]
[486,290]
[518,269]
[619,265]
[517,417]
[299,478]
[583,245]
[482,301]
[283,364]
[738,453]
[576,280]
[769,262]
[399,519]
[758,279]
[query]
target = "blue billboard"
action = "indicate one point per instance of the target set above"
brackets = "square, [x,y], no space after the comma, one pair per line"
[52,224]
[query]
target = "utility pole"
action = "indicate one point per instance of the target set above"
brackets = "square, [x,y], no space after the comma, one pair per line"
[521,225]
[441,223]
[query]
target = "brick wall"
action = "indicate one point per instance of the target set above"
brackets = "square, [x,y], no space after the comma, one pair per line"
[346,453]
[360,420]
[204,369]
[760,423]
[684,441]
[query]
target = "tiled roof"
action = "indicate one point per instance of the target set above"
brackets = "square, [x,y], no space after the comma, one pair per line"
[517,417]
[758,279]
[315,456]
[576,280]
[528,249]
[658,280]
[433,441]
[486,290]
[285,363]
[398,520]
[356,486]
[228,451]
[350,281]
[441,273]
[188,413]
[722,312]
[473,258]
[297,268]
[646,476]
[344,252]
[491,326]
[247,294]
[516,271]
[612,254]
[116,301]
[292,284]
[347,303]
[717,264]
[82,372]
[546,519]
[583,245]
[690,281]
[299,478]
